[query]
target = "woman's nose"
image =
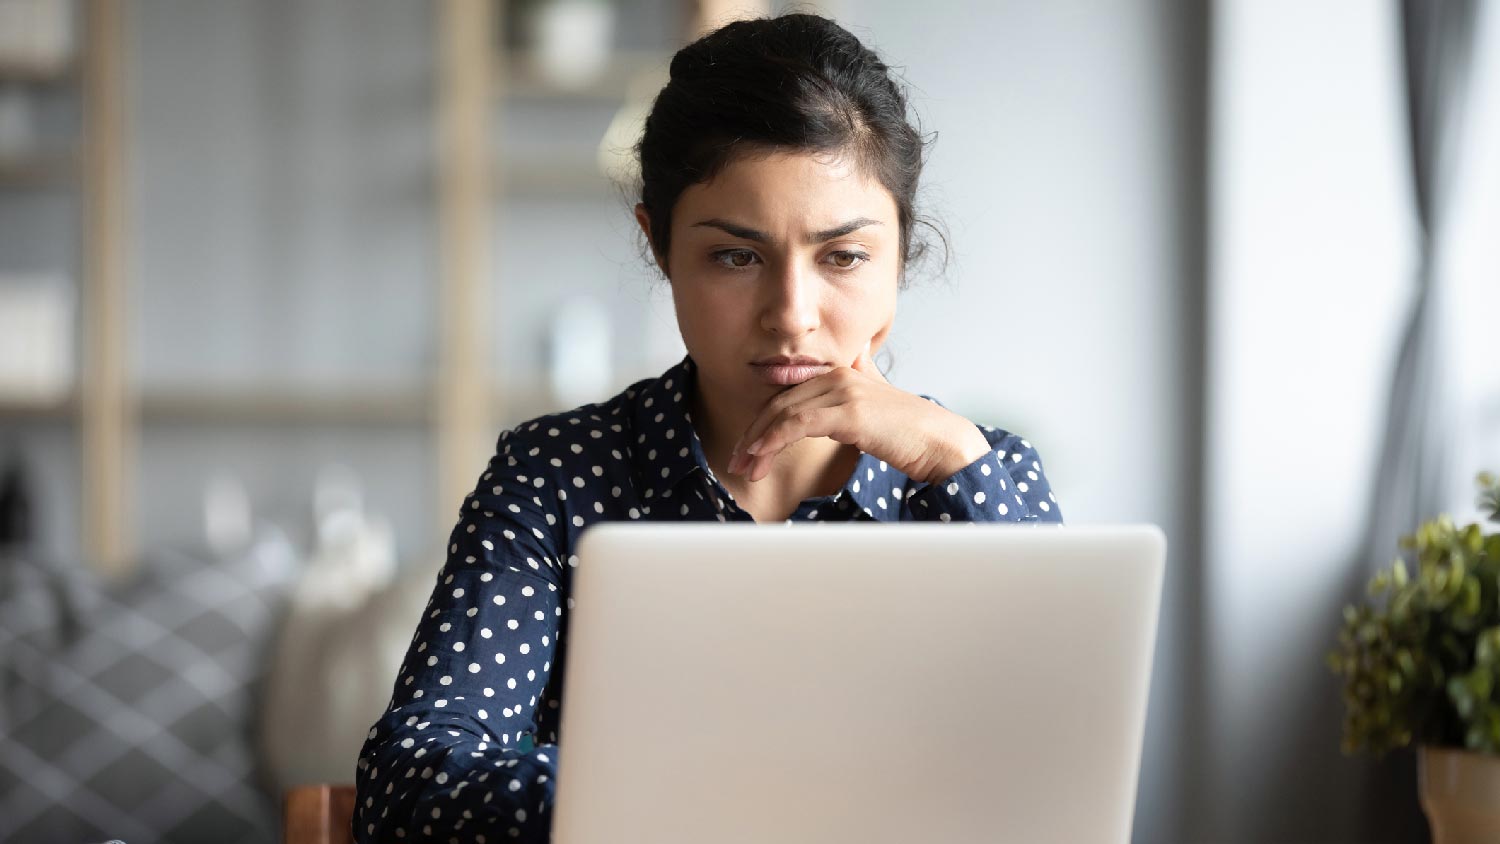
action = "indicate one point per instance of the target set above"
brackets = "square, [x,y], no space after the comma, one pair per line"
[790,306]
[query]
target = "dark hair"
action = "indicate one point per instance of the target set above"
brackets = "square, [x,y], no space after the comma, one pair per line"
[795,82]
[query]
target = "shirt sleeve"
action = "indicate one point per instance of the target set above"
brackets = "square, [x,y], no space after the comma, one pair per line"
[453,756]
[1005,484]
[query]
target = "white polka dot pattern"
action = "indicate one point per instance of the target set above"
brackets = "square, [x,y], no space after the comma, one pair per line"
[466,748]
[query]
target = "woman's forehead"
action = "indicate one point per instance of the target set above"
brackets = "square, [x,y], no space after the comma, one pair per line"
[803,190]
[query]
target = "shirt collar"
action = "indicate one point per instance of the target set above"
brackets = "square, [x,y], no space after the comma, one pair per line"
[663,422]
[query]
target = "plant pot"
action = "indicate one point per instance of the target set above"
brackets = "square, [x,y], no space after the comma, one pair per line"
[1460,792]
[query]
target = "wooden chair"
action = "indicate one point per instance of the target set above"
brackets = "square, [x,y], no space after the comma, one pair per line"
[317,814]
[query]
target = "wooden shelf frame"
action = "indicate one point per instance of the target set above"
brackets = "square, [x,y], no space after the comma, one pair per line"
[473,75]
[107,429]
[467,32]
[38,73]
[275,405]
[105,405]
[39,169]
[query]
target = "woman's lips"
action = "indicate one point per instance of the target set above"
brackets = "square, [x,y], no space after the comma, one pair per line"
[787,374]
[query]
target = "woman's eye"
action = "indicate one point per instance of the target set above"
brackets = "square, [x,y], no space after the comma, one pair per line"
[734,259]
[738,259]
[848,260]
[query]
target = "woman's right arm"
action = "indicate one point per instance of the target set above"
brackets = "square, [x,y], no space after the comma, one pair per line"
[445,761]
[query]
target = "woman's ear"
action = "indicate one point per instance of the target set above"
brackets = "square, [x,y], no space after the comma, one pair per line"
[643,219]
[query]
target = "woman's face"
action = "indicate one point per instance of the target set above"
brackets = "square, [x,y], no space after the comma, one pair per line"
[782,267]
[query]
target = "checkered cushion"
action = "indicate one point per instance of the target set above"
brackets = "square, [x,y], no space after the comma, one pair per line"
[125,712]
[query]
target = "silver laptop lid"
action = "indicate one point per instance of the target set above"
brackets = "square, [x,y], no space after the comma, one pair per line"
[860,683]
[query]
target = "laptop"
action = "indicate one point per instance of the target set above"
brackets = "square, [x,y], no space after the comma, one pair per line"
[856,683]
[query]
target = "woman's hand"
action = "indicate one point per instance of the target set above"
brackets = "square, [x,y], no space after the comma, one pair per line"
[855,405]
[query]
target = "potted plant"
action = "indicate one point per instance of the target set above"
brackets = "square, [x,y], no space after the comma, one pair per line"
[1421,664]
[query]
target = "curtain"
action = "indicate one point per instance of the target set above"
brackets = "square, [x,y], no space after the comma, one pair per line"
[1415,456]
[1437,38]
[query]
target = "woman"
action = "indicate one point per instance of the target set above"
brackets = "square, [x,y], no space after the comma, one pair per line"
[778,171]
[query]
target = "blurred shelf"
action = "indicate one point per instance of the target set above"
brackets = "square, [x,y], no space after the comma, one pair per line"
[38,169]
[19,408]
[413,406]
[38,73]
[275,405]
[519,77]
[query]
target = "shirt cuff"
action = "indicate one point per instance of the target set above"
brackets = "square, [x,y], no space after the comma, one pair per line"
[979,492]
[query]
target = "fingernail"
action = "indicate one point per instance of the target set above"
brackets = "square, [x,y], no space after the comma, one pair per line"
[755,446]
[734,463]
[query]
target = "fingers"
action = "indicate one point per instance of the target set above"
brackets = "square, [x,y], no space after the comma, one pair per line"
[778,405]
[773,435]
[796,424]
[865,365]
[817,416]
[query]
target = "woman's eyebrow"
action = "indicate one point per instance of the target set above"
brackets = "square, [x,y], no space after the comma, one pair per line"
[747,233]
[840,231]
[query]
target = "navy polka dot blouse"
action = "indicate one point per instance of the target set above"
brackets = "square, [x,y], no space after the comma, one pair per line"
[467,747]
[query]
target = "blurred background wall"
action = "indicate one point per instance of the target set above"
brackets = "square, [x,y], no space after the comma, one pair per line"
[1069,168]
[1190,222]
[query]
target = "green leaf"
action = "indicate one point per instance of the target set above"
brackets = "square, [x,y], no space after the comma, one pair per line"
[1463,699]
[1487,651]
[1468,597]
[1406,663]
